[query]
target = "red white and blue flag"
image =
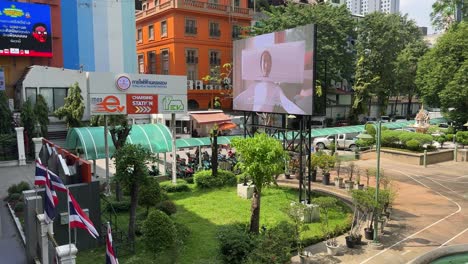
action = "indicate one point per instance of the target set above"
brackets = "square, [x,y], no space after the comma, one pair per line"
[110,253]
[50,200]
[40,178]
[78,218]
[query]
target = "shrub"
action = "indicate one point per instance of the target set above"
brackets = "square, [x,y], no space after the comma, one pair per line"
[122,206]
[14,197]
[449,137]
[19,207]
[18,188]
[159,231]
[274,246]
[180,186]
[167,207]
[413,144]
[204,179]
[462,137]
[390,138]
[405,137]
[149,194]
[235,243]
[183,234]
[189,180]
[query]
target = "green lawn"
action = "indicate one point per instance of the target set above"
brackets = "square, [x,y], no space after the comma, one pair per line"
[204,211]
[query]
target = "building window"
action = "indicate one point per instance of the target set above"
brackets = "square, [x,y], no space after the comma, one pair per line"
[190,26]
[215,58]
[191,57]
[152,62]
[150,32]
[54,96]
[214,29]
[236,31]
[165,62]
[164,28]
[139,35]
[31,94]
[141,63]
[192,67]
[236,3]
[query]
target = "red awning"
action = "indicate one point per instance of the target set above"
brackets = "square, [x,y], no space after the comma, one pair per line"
[211,118]
[227,126]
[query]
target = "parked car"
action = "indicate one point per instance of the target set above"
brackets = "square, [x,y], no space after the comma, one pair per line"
[340,123]
[385,119]
[318,122]
[367,119]
[343,141]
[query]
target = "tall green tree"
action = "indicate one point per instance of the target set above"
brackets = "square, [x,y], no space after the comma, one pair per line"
[381,37]
[261,158]
[6,118]
[41,111]
[444,13]
[406,67]
[74,107]
[441,76]
[28,121]
[335,30]
[131,171]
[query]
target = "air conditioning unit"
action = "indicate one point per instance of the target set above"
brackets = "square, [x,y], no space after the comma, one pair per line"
[190,85]
[199,84]
[209,87]
[218,87]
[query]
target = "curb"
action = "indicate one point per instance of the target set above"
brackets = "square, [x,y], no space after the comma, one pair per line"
[17,223]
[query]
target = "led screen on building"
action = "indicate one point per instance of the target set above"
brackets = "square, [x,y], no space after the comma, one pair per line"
[273,72]
[25,30]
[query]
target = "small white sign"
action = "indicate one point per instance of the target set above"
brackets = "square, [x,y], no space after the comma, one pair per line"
[172,104]
[2,79]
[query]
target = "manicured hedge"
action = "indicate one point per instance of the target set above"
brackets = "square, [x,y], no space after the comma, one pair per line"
[204,179]
[180,186]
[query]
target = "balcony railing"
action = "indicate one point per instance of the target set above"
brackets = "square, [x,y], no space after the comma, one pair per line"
[196,5]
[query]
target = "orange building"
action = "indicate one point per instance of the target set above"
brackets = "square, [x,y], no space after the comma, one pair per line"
[188,37]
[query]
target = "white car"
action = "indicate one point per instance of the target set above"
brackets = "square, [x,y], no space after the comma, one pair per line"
[343,141]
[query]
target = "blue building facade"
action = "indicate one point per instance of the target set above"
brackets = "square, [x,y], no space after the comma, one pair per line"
[99,35]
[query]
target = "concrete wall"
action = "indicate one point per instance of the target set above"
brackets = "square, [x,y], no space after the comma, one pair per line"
[410,158]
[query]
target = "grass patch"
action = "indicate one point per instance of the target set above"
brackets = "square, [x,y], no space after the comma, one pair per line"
[204,211]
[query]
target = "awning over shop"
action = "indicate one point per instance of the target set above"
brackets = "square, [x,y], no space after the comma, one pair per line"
[227,126]
[90,140]
[207,118]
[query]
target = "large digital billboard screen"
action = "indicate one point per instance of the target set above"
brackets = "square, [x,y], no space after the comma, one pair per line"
[25,30]
[273,72]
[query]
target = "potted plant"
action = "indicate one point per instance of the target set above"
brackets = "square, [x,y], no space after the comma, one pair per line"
[354,237]
[338,180]
[295,211]
[325,163]
[350,183]
[313,165]
[357,184]
[287,173]
[325,204]
[294,167]
[365,202]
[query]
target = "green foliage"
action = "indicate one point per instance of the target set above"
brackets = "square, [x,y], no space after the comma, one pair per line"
[131,164]
[326,204]
[41,111]
[28,119]
[74,107]
[204,179]
[180,186]
[14,197]
[390,138]
[326,162]
[118,206]
[295,211]
[235,243]
[159,231]
[167,207]
[19,207]
[444,11]
[18,188]
[150,194]
[6,119]
[462,137]
[413,144]
[441,76]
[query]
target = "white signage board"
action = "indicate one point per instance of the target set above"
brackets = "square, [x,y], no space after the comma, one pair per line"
[2,79]
[112,93]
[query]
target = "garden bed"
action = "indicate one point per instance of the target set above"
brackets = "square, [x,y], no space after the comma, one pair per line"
[414,158]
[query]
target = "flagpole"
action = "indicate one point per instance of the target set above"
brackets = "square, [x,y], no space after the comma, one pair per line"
[69,229]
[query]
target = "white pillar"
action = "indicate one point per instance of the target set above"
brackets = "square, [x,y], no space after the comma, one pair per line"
[20,142]
[37,147]
[44,239]
[67,254]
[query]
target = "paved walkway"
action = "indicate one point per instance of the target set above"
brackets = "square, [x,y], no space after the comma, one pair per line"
[430,211]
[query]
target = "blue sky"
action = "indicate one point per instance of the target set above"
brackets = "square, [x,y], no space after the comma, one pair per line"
[418,10]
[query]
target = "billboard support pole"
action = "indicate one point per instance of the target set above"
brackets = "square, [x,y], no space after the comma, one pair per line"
[106,147]
[174,158]
[301,165]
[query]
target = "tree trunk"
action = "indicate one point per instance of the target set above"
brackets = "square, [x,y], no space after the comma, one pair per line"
[118,192]
[255,216]
[214,155]
[408,107]
[133,207]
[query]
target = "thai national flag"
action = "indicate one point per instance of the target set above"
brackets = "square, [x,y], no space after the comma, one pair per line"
[50,200]
[110,254]
[78,218]
[41,172]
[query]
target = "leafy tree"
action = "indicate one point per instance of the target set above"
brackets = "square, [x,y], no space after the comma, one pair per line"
[28,120]
[406,66]
[381,37]
[6,118]
[335,30]
[442,74]
[150,194]
[132,171]
[261,157]
[443,13]
[74,107]
[42,113]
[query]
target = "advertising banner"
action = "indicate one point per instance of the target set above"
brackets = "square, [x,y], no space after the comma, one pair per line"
[2,79]
[108,104]
[25,30]
[142,104]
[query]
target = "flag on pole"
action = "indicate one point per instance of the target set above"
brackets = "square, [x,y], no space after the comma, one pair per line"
[40,178]
[50,200]
[110,254]
[78,218]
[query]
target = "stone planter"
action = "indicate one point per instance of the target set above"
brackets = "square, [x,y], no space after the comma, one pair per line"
[331,249]
[358,186]
[245,191]
[339,182]
[349,185]
[326,178]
